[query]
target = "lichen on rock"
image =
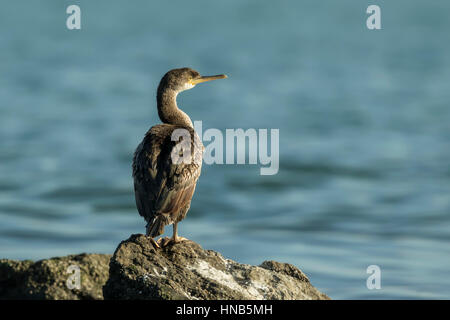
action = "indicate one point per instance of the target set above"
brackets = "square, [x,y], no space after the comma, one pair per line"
[186,271]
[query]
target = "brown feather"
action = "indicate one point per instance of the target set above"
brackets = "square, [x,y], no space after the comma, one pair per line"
[164,189]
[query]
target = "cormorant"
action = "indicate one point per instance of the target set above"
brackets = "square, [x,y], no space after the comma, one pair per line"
[164,187]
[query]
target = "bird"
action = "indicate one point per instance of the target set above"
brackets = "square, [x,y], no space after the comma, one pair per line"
[168,162]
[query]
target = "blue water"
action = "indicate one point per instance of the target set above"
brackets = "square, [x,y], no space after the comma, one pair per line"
[363,115]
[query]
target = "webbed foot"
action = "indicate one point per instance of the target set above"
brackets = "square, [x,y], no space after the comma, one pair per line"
[155,244]
[164,242]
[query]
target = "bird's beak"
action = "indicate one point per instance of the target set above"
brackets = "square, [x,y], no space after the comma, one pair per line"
[208,78]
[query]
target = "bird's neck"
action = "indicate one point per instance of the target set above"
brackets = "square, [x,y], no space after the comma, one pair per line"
[168,110]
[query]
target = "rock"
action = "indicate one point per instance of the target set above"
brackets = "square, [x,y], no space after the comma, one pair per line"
[46,279]
[186,271]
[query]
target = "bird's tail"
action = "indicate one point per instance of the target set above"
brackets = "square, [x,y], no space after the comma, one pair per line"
[156,226]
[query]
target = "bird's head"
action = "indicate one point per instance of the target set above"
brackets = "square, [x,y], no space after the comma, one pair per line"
[184,79]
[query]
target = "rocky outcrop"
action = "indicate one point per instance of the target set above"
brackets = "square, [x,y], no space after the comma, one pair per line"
[48,279]
[138,271]
[186,271]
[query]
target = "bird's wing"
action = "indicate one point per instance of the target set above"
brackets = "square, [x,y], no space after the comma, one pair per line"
[163,187]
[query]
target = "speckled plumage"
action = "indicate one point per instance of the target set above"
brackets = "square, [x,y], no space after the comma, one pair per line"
[163,189]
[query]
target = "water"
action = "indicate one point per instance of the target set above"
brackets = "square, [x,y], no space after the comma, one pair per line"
[363,115]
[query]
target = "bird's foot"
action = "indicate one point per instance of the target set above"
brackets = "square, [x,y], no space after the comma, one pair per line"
[164,242]
[155,244]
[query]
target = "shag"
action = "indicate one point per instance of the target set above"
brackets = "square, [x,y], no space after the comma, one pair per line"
[163,187]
